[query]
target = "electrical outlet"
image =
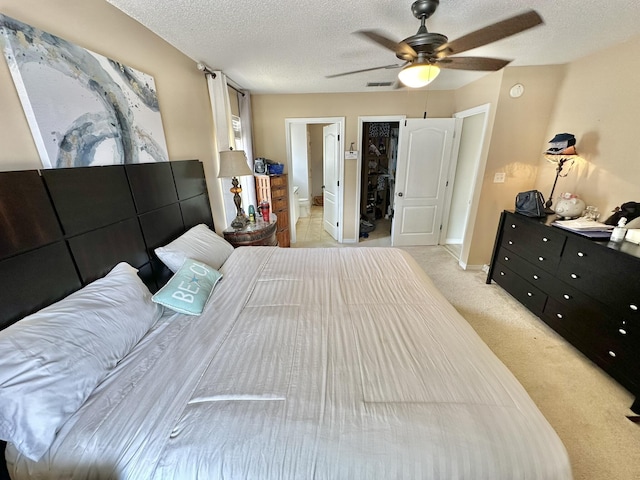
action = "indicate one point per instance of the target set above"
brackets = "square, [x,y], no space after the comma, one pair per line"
[499,177]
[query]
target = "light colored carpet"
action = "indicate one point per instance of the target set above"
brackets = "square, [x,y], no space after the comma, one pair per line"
[585,406]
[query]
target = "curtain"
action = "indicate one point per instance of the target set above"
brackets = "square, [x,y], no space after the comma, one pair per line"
[244,100]
[224,139]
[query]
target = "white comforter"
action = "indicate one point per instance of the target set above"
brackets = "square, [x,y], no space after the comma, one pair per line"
[309,364]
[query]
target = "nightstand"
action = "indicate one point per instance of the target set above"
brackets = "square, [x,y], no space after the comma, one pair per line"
[254,234]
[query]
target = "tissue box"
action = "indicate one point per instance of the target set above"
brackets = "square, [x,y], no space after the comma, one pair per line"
[633,235]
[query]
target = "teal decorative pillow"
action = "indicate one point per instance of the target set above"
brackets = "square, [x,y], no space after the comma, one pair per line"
[189,289]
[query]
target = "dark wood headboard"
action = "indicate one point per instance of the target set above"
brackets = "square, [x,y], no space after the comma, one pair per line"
[63,228]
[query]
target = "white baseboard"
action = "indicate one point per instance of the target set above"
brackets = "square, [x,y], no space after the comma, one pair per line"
[464,266]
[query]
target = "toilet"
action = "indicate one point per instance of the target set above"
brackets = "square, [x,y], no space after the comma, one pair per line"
[305,207]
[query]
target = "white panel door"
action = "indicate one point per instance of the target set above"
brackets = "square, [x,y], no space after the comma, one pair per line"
[424,155]
[330,179]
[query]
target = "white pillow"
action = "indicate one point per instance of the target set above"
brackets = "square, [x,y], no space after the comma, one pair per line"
[198,243]
[51,361]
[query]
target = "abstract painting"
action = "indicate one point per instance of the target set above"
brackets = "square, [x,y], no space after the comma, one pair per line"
[83,109]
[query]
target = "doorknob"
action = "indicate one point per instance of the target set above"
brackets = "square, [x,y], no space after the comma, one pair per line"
[400,194]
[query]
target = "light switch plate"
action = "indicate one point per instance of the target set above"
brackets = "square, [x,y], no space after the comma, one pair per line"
[499,177]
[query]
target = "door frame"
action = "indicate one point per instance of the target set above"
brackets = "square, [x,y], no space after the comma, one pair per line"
[479,168]
[340,194]
[361,121]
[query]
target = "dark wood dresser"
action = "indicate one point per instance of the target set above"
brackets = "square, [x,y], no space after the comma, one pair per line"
[588,291]
[274,189]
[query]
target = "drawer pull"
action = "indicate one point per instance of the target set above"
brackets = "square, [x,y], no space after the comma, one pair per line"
[559,315]
[567,296]
[502,274]
[536,277]
[529,294]
[580,254]
[633,307]
[574,276]
[545,239]
[612,354]
[506,259]
[622,331]
[541,259]
[510,242]
[513,225]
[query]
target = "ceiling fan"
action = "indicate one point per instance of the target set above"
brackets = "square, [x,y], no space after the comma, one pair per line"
[426,53]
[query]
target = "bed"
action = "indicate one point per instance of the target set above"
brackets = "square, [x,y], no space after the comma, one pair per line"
[304,363]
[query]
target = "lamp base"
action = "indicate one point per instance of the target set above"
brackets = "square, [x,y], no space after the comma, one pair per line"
[239,222]
[547,205]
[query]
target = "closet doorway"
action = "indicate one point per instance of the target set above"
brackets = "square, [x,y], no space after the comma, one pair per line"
[378,158]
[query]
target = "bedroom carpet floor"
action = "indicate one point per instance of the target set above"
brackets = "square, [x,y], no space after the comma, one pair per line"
[585,406]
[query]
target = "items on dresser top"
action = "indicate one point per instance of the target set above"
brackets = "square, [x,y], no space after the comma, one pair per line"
[586,228]
[584,289]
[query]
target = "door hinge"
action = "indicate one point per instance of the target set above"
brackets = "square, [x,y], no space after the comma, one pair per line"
[337,224]
[338,137]
[405,123]
[338,182]
[440,227]
[447,183]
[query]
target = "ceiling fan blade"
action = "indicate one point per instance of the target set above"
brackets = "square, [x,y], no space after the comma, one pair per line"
[492,33]
[365,70]
[401,49]
[473,63]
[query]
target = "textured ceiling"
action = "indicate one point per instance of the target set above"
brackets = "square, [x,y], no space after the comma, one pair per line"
[289,46]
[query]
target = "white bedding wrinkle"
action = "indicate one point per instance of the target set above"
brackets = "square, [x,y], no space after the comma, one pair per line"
[310,363]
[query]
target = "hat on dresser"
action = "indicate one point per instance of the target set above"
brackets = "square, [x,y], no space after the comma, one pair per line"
[562,144]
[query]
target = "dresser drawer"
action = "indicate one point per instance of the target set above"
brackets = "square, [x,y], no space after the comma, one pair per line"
[600,259]
[278,181]
[581,318]
[535,243]
[527,235]
[279,202]
[607,285]
[533,273]
[618,356]
[530,296]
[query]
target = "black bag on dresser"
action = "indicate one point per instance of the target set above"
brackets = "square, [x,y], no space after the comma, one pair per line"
[530,203]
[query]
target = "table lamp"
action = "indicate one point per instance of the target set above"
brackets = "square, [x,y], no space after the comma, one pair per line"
[562,149]
[233,164]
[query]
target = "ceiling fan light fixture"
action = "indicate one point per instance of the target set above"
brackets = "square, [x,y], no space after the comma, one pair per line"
[418,75]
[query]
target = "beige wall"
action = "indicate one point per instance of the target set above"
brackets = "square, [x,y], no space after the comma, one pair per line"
[599,103]
[270,112]
[100,27]
[516,140]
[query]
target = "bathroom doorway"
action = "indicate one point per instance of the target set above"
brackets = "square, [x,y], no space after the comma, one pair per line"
[306,165]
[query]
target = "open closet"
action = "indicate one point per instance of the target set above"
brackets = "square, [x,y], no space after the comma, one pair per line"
[379,156]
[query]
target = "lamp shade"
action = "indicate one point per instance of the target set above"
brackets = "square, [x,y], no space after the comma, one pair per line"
[418,75]
[233,163]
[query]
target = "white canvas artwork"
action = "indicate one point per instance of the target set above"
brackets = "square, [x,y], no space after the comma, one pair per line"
[83,109]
